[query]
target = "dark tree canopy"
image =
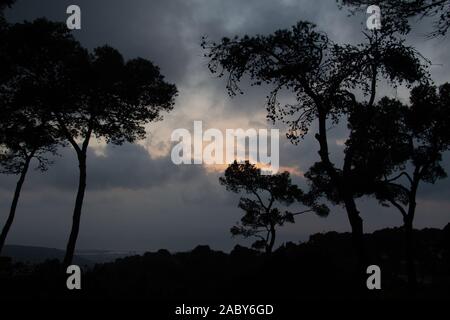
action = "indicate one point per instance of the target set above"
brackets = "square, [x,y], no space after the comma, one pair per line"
[379,145]
[45,65]
[39,56]
[116,99]
[3,5]
[96,93]
[429,120]
[23,137]
[320,73]
[391,138]
[262,210]
[388,138]
[3,28]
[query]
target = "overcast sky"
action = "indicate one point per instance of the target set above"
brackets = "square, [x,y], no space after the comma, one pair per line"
[136,198]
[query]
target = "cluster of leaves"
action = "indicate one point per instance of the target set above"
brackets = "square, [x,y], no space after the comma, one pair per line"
[3,5]
[23,138]
[287,59]
[320,73]
[97,91]
[391,138]
[26,130]
[118,98]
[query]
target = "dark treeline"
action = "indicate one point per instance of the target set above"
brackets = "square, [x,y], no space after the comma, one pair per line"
[317,269]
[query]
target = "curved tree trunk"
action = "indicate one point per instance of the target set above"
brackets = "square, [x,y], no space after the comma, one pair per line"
[356,224]
[12,211]
[341,185]
[269,247]
[77,211]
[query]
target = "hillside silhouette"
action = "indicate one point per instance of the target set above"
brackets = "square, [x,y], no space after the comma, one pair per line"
[319,268]
[35,255]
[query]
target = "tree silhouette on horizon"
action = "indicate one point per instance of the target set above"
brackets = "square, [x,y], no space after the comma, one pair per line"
[80,95]
[117,99]
[262,215]
[26,129]
[21,141]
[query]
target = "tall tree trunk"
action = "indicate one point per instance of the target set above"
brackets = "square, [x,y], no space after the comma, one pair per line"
[269,247]
[353,215]
[77,210]
[12,211]
[356,224]
[408,224]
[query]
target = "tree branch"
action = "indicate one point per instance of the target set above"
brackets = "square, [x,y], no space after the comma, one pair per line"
[302,212]
[67,133]
[404,173]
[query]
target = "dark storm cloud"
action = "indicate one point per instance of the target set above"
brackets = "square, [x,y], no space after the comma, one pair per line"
[169,32]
